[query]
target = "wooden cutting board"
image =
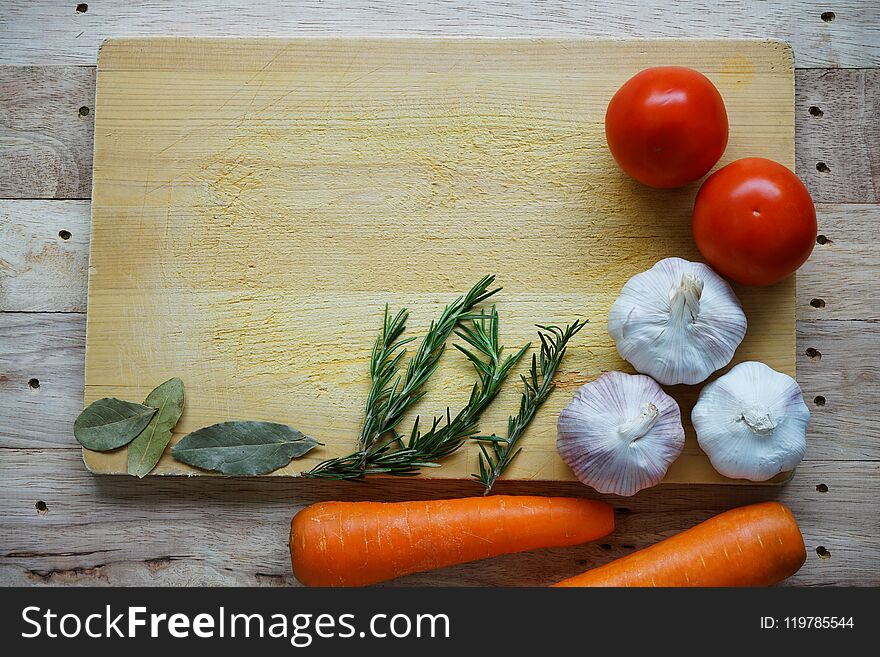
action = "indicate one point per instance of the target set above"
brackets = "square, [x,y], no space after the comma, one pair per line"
[257,202]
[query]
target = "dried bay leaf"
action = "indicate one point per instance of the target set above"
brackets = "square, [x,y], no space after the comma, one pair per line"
[145,451]
[110,423]
[242,447]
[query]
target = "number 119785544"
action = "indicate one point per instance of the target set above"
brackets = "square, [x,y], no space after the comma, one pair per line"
[807,622]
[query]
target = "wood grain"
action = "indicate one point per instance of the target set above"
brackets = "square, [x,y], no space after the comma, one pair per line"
[256,202]
[840,279]
[41,378]
[839,131]
[835,359]
[839,373]
[44,255]
[47,32]
[180,531]
[843,136]
[46,131]
[39,272]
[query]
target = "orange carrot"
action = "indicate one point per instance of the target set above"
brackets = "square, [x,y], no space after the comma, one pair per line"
[756,545]
[360,543]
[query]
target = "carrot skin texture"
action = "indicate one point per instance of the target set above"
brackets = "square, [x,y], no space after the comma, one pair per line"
[755,545]
[361,543]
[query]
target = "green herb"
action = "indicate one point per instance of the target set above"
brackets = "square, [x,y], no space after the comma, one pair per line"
[396,457]
[253,448]
[145,451]
[242,447]
[110,423]
[500,453]
[390,396]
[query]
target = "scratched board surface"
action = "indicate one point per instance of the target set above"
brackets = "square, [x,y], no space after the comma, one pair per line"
[257,202]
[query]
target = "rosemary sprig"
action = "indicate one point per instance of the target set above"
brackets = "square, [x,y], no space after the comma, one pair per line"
[501,452]
[385,360]
[390,397]
[394,457]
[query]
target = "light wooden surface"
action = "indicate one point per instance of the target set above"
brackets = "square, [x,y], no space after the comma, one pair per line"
[97,530]
[257,202]
[50,32]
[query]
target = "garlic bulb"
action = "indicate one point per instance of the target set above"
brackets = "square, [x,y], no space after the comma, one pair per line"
[752,422]
[677,322]
[620,433]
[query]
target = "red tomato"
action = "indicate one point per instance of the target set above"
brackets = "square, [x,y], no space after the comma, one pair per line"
[754,221]
[666,126]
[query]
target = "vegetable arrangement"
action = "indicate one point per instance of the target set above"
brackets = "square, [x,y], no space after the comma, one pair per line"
[360,543]
[677,323]
[247,447]
[754,220]
[680,321]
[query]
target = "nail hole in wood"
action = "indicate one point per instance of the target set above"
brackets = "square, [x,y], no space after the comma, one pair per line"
[64,234]
[821,167]
[41,507]
[82,8]
[816,111]
[819,400]
[822,239]
[821,488]
[814,354]
[828,16]
[84,111]
[34,384]
[817,303]
[823,552]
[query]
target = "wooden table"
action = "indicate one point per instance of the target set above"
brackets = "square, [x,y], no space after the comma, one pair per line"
[61,525]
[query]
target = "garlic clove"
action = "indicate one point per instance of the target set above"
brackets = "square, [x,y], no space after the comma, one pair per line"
[677,322]
[620,433]
[752,422]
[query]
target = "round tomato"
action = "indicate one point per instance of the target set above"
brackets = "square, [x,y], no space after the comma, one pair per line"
[666,126]
[754,221]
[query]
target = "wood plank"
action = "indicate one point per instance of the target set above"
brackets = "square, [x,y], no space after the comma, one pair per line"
[44,255]
[39,272]
[844,137]
[42,32]
[839,373]
[836,360]
[250,194]
[41,378]
[840,279]
[47,131]
[121,531]
[838,134]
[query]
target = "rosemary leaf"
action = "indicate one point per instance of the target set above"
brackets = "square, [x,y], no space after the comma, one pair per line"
[537,387]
